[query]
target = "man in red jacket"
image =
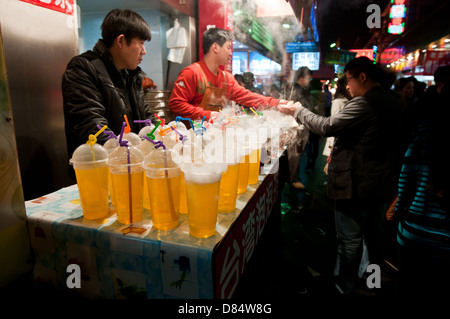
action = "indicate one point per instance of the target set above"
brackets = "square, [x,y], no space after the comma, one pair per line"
[203,88]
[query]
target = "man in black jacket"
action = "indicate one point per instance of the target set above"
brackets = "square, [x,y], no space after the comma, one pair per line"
[101,86]
[363,171]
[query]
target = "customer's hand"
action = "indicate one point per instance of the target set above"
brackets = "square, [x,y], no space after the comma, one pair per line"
[288,107]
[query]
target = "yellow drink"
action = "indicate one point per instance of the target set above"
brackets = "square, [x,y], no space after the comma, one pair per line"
[164,201]
[228,189]
[128,190]
[146,195]
[202,200]
[93,186]
[243,174]
[253,170]
[111,191]
[183,199]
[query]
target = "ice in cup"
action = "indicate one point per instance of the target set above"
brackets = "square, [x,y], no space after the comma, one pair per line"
[126,171]
[202,191]
[163,177]
[91,171]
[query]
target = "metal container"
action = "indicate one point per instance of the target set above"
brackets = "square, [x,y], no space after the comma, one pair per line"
[158,102]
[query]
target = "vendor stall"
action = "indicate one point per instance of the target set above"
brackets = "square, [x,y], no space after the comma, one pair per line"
[139,261]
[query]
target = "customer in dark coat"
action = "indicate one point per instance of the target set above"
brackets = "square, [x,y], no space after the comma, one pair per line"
[363,170]
[101,86]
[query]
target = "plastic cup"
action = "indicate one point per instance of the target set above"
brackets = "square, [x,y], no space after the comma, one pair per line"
[183,198]
[133,138]
[110,145]
[254,167]
[244,167]
[91,171]
[125,166]
[229,181]
[202,191]
[163,178]
[146,148]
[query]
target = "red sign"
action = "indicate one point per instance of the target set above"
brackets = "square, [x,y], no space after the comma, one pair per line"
[236,249]
[64,6]
[434,60]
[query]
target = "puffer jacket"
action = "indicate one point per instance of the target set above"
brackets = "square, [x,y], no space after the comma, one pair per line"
[365,158]
[96,93]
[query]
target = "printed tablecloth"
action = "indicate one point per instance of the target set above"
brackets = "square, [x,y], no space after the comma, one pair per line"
[139,261]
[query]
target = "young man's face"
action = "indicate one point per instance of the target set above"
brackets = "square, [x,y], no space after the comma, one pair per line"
[132,54]
[224,52]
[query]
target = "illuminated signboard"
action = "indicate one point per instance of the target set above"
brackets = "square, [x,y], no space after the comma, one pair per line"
[309,59]
[369,53]
[397,16]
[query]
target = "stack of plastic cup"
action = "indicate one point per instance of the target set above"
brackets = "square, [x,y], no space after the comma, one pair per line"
[163,177]
[125,165]
[91,170]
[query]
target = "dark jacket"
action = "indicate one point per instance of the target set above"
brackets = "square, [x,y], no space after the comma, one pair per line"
[96,93]
[365,157]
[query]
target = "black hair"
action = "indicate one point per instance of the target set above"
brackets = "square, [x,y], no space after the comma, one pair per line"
[126,22]
[442,74]
[401,83]
[341,88]
[302,72]
[215,35]
[364,65]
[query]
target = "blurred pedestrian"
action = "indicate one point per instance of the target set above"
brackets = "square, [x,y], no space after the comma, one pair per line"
[362,173]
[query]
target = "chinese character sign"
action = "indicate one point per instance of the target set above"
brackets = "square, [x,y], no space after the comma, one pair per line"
[64,6]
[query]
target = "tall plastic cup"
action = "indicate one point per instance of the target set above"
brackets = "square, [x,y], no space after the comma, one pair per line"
[202,191]
[125,166]
[229,181]
[91,171]
[244,167]
[163,177]
[254,166]
[146,148]
[110,145]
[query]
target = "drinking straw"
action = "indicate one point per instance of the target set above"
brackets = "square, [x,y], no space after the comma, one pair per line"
[124,143]
[166,173]
[292,89]
[147,122]
[150,135]
[196,131]
[162,120]
[110,134]
[164,131]
[182,137]
[93,139]
[128,128]
[254,111]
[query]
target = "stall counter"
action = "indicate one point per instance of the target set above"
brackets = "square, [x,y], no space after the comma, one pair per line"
[105,259]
